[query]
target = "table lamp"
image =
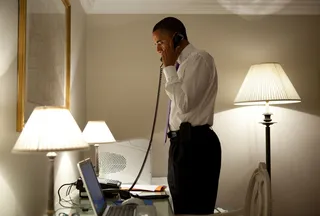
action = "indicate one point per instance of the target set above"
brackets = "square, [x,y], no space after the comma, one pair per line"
[97,132]
[265,84]
[50,129]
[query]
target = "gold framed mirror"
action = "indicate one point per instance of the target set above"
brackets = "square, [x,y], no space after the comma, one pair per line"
[44,49]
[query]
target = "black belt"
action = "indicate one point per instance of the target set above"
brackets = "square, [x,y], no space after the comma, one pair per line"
[174,134]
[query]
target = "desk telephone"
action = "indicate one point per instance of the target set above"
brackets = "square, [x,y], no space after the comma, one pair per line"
[104,184]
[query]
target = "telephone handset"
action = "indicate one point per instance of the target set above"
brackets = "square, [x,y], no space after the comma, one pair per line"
[177,38]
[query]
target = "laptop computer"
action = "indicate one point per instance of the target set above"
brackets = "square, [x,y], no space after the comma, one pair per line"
[98,201]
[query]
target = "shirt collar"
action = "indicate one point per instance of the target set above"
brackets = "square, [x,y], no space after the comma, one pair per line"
[185,53]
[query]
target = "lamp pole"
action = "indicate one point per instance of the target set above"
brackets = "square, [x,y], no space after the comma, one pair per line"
[267,121]
[96,167]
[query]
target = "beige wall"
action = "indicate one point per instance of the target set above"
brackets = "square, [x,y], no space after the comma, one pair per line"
[23,178]
[122,74]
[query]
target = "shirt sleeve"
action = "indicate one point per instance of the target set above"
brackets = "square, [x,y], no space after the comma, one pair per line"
[187,91]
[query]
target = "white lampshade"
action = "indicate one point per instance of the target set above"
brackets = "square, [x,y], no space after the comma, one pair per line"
[266,82]
[97,132]
[50,129]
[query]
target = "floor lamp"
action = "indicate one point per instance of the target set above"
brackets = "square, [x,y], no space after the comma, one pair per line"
[50,129]
[95,133]
[265,84]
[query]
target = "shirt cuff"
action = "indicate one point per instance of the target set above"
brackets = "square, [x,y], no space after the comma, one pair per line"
[170,73]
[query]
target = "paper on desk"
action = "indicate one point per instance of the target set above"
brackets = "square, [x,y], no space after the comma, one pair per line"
[138,187]
[148,193]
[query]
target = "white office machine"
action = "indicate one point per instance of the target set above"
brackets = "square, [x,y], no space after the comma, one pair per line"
[122,160]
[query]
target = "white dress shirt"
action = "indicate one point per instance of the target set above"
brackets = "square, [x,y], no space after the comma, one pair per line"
[192,89]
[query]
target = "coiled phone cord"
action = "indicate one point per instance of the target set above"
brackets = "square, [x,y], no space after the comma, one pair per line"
[152,131]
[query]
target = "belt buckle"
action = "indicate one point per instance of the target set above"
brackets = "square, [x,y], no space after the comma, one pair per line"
[172,134]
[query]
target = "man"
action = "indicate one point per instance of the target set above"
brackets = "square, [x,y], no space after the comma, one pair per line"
[195,152]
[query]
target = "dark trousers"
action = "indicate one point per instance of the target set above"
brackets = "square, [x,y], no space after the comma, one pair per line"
[194,170]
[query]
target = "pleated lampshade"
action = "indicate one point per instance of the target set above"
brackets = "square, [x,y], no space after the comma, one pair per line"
[266,83]
[50,129]
[97,132]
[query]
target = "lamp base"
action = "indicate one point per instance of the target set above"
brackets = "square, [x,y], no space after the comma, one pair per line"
[50,208]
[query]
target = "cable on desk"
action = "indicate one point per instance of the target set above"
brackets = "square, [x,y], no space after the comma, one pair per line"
[70,201]
[68,191]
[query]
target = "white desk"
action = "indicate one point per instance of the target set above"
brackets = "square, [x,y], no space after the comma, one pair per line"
[162,205]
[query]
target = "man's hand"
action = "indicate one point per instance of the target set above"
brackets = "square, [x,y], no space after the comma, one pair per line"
[169,54]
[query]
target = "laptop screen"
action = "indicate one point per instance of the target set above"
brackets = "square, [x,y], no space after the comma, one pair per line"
[91,181]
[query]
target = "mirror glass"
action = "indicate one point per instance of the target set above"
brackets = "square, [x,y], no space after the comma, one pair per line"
[43,65]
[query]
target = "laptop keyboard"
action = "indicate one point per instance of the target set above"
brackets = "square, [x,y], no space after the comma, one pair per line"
[123,210]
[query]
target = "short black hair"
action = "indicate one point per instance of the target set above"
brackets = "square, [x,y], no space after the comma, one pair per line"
[172,25]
